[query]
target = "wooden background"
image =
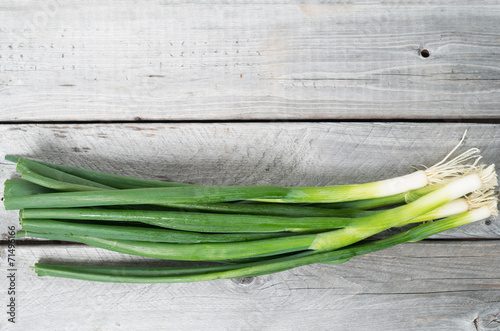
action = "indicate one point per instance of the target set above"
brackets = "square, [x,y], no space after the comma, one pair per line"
[256,92]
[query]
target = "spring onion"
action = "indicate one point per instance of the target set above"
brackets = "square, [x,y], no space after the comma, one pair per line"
[253,229]
[207,194]
[203,222]
[196,274]
[359,229]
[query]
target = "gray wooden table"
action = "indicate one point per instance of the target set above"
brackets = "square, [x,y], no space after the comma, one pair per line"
[255,92]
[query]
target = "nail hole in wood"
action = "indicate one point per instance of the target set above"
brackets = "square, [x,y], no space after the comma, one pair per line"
[244,280]
[425,53]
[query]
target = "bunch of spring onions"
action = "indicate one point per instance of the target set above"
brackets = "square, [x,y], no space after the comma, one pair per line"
[240,231]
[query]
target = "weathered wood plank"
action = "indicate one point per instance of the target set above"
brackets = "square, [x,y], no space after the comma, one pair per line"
[437,285]
[247,60]
[286,154]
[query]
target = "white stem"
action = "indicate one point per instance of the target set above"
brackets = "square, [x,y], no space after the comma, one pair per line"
[479,214]
[404,183]
[454,207]
[463,186]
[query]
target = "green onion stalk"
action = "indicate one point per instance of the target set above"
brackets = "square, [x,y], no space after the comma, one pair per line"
[37,220]
[40,227]
[206,273]
[359,229]
[203,194]
[17,187]
[65,178]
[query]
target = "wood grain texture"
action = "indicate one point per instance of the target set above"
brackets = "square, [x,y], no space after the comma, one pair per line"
[425,286]
[285,154]
[204,60]
[243,60]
